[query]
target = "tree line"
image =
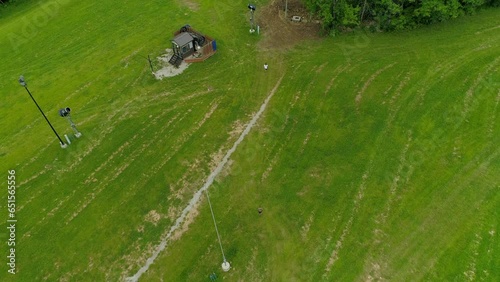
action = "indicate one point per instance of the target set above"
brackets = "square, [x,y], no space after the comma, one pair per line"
[5,2]
[391,14]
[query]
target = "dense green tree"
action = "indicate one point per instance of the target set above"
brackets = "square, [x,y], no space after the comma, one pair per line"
[391,14]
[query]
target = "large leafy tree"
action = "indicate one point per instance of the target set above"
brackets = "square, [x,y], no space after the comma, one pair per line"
[391,14]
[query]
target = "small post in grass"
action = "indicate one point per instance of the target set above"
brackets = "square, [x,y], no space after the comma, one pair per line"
[151,65]
[252,9]
[65,114]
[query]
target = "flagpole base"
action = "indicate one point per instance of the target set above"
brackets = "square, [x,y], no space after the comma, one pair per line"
[226,266]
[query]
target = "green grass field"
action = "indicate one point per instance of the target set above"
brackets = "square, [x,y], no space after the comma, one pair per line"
[377,158]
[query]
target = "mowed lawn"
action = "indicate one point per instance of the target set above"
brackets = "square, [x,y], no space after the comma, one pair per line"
[377,158]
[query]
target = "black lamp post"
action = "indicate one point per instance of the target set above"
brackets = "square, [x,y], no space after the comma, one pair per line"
[23,83]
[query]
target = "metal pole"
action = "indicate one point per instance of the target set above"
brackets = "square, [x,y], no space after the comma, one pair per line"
[252,21]
[215,224]
[72,124]
[60,140]
[150,64]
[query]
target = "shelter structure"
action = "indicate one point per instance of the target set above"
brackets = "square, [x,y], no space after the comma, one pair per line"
[191,46]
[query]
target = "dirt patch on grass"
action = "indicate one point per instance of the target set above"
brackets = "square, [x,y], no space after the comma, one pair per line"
[279,31]
[304,143]
[216,158]
[237,128]
[192,5]
[190,217]
[304,230]
[165,68]
[153,217]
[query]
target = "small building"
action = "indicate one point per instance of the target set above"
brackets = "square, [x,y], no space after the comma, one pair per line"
[191,46]
[183,44]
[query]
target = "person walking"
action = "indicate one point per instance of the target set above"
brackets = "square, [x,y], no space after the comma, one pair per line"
[265,66]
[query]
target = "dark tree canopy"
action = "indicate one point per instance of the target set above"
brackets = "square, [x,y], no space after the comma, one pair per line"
[5,2]
[391,14]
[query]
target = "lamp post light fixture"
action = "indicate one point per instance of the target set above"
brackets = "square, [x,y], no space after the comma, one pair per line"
[25,85]
[252,9]
[65,114]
